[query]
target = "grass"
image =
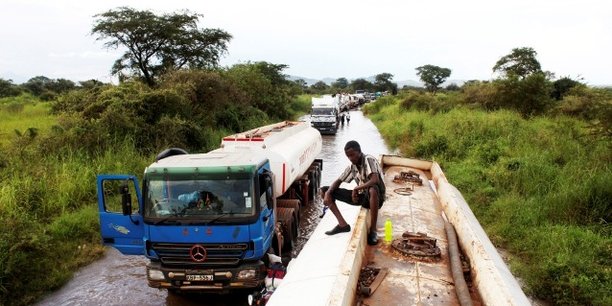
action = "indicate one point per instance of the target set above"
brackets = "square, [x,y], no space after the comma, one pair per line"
[540,187]
[48,211]
[22,113]
[51,218]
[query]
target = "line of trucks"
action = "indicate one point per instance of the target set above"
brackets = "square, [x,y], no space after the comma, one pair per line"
[207,221]
[326,111]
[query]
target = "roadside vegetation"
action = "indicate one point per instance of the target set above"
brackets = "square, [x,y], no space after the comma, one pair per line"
[51,152]
[534,165]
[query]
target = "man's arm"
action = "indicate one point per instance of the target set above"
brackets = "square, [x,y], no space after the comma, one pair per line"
[372,180]
[327,197]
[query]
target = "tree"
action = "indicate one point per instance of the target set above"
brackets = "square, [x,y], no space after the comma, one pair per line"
[562,86]
[529,96]
[362,84]
[37,85]
[521,62]
[453,87]
[320,86]
[273,72]
[301,83]
[61,85]
[8,89]
[433,76]
[158,44]
[90,84]
[340,83]
[383,83]
[265,86]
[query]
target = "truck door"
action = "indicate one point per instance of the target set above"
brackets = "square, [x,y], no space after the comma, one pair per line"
[120,209]
[266,203]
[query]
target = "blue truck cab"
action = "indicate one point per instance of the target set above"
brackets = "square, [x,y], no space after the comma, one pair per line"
[203,228]
[206,221]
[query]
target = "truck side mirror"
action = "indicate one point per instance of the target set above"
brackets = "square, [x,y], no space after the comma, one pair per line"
[126,199]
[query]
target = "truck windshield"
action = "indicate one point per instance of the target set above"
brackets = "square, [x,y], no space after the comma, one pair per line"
[322,111]
[198,200]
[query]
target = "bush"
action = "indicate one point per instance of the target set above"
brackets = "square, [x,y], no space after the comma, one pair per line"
[529,96]
[8,89]
[562,86]
[263,87]
[418,101]
[480,94]
[584,102]
[376,106]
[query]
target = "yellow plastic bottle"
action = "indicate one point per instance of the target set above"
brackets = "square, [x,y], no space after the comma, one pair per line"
[388,231]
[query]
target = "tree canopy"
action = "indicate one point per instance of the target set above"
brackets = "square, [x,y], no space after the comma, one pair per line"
[383,83]
[362,83]
[158,44]
[8,89]
[320,86]
[433,76]
[340,83]
[521,62]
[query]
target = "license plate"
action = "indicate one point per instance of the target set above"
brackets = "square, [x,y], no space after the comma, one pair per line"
[199,277]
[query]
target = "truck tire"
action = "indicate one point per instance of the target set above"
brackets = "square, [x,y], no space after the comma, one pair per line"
[289,227]
[290,203]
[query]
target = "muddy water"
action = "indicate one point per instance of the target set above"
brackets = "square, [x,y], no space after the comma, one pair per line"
[120,280]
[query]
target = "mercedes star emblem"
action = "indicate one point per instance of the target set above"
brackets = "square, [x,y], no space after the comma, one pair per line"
[197,253]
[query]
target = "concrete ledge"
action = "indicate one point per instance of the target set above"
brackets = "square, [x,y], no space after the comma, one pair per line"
[495,283]
[324,271]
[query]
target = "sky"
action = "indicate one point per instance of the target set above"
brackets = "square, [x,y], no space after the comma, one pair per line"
[328,38]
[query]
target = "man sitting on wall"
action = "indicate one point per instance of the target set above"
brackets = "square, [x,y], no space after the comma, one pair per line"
[369,193]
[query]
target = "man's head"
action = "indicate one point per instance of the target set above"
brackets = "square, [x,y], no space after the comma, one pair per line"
[352,149]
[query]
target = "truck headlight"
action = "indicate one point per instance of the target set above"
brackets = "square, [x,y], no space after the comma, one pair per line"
[155,274]
[246,274]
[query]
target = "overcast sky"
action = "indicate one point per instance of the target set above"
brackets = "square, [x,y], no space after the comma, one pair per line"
[329,39]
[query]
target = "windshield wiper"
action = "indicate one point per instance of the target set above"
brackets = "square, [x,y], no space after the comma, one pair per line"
[176,214]
[231,212]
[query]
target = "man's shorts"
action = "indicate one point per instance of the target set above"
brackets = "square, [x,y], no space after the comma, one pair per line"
[346,195]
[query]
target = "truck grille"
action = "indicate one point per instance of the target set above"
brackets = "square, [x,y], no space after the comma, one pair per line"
[216,254]
[323,124]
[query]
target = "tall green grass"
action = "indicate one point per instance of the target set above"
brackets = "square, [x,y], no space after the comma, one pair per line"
[50,218]
[540,187]
[18,114]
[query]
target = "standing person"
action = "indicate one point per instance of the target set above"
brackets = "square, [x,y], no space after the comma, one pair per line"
[369,193]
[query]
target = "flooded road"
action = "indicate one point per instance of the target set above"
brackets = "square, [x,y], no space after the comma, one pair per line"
[117,279]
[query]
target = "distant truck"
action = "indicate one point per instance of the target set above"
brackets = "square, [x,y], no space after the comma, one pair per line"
[206,221]
[325,114]
[360,94]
